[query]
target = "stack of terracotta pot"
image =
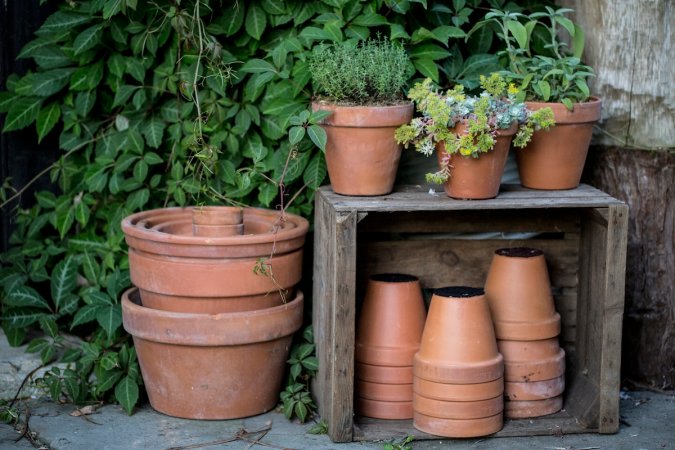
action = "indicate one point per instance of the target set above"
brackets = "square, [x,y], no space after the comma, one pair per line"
[527,327]
[215,307]
[388,336]
[458,372]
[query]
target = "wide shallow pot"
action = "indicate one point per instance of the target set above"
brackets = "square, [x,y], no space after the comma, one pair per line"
[383,410]
[532,360]
[391,321]
[477,178]
[458,428]
[384,374]
[523,409]
[458,344]
[458,392]
[534,390]
[178,271]
[212,366]
[476,409]
[519,294]
[555,158]
[361,153]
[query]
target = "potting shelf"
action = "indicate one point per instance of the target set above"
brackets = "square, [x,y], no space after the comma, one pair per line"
[445,242]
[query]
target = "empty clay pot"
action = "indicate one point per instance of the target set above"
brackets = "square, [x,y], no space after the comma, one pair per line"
[534,390]
[458,392]
[458,428]
[177,271]
[522,409]
[519,293]
[384,391]
[203,366]
[532,360]
[383,410]
[391,321]
[384,374]
[458,345]
[362,155]
[458,410]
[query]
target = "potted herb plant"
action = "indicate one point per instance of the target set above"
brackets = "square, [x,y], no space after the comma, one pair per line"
[551,74]
[360,85]
[471,134]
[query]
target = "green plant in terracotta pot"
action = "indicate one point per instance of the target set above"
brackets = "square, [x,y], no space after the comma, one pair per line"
[550,74]
[471,134]
[361,85]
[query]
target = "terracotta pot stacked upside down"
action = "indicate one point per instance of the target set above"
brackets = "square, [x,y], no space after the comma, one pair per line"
[215,307]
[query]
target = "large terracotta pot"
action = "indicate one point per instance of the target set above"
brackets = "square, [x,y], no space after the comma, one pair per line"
[532,408]
[458,428]
[212,366]
[532,360]
[477,178]
[519,294]
[178,271]
[361,153]
[458,392]
[555,158]
[476,409]
[534,390]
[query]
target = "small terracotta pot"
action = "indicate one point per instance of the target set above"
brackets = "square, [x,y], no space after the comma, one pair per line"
[361,153]
[519,293]
[534,390]
[383,410]
[217,221]
[458,345]
[532,360]
[177,271]
[555,158]
[523,409]
[203,366]
[217,230]
[458,410]
[458,392]
[477,178]
[384,392]
[458,428]
[384,374]
[391,321]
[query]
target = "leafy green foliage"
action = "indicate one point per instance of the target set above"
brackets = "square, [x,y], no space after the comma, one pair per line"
[170,103]
[399,445]
[303,364]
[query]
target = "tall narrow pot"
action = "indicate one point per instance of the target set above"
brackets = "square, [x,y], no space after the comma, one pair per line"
[361,153]
[555,158]
[212,366]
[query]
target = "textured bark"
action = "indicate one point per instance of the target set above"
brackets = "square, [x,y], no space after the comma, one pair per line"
[630,45]
[646,181]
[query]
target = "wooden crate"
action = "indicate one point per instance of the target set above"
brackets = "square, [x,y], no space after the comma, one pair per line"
[582,232]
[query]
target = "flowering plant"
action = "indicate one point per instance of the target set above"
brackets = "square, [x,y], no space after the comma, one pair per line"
[482,116]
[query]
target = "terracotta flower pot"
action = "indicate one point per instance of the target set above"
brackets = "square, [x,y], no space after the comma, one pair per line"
[532,360]
[361,153]
[391,321]
[383,410]
[217,221]
[212,366]
[384,374]
[384,391]
[458,428]
[524,409]
[177,271]
[519,293]
[458,392]
[534,390]
[477,409]
[555,158]
[458,345]
[477,178]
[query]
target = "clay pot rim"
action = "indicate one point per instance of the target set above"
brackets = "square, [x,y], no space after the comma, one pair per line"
[448,291]
[296,227]
[458,408]
[217,215]
[583,112]
[234,328]
[365,116]
[394,278]
[467,373]
[458,392]
[556,386]
[519,252]
[547,328]
[458,428]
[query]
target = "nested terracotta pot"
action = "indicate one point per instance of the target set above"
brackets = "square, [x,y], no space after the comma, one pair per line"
[383,410]
[212,366]
[458,392]
[391,321]
[361,153]
[532,360]
[523,409]
[217,221]
[534,390]
[477,178]
[458,345]
[458,428]
[555,158]
[476,409]
[519,294]
[178,271]
[384,374]
[386,392]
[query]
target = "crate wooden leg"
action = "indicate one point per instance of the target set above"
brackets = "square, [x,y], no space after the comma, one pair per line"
[334,317]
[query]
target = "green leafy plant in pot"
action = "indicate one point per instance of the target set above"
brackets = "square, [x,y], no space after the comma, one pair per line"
[550,74]
[360,85]
[471,134]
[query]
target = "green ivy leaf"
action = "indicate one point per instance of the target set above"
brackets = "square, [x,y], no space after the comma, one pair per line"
[87,39]
[50,57]
[64,281]
[126,392]
[84,102]
[111,8]
[153,131]
[47,118]
[256,21]
[25,296]
[21,317]
[295,134]
[110,318]
[318,136]
[22,113]
[428,68]
[315,172]
[257,66]
[428,52]
[86,314]
[48,325]
[61,20]
[48,83]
